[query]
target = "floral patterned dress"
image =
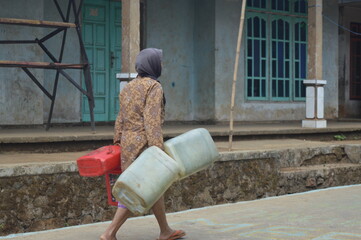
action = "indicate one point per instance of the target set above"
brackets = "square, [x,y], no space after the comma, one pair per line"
[140,119]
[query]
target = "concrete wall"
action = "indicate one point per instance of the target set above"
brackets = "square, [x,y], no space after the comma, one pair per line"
[21,101]
[185,32]
[227,25]
[170,26]
[348,108]
[68,99]
[204,61]
[330,58]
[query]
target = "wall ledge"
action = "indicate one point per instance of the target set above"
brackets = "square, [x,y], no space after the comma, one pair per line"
[283,157]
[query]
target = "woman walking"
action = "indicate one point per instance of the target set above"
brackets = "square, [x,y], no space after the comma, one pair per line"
[137,127]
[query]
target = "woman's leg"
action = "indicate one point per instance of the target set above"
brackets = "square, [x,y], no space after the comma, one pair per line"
[120,217]
[159,212]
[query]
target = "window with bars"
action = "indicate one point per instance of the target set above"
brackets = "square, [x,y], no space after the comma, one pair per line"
[276,51]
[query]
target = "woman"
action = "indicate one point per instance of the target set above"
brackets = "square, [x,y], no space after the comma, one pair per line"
[138,126]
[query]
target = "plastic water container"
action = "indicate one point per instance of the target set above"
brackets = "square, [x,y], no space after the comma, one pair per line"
[99,161]
[145,180]
[193,150]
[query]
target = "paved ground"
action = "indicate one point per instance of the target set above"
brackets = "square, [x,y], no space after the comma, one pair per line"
[330,214]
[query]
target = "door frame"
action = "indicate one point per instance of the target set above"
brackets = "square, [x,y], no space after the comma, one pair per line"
[109,109]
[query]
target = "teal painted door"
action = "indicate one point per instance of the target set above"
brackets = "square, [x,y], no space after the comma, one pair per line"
[101,30]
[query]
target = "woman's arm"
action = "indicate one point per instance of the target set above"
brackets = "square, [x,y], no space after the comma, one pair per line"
[153,117]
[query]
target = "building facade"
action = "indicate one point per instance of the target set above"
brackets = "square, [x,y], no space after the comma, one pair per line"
[198,38]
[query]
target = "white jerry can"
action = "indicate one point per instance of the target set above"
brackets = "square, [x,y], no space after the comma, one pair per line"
[193,150]
[146,180]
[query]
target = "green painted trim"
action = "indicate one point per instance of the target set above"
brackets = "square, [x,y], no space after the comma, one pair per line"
[269,18]
[299,41]
[116,49]
[258,8]
[260,78]
[283,80]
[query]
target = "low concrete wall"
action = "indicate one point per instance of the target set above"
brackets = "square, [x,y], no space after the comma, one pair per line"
[38,197]
[37,202]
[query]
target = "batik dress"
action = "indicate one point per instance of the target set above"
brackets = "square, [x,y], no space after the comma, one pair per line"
[140,118]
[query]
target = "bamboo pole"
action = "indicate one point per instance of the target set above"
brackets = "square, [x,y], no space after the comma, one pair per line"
[243,10]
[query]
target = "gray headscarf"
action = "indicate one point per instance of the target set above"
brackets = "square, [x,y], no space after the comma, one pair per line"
[148,63]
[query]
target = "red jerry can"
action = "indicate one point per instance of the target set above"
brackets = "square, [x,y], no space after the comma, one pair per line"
[100,161]
[110,179]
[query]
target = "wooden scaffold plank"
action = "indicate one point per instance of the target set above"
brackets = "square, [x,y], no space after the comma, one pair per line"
[43,65]
[36,23]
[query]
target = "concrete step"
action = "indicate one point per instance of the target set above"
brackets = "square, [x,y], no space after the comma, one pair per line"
[81,138]
[319,176]
[318,168]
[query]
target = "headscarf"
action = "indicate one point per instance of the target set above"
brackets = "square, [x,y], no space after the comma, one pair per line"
[148,63]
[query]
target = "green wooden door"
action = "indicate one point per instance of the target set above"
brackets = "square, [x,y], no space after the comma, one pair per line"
[101,30]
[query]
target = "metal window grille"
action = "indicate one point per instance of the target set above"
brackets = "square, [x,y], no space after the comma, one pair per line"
[276,50]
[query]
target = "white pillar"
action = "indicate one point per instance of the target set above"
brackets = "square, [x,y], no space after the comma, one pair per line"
[124,78]
[314,104]
[314,84]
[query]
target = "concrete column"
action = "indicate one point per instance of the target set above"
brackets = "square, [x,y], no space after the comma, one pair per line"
[315,84]
[130,39]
